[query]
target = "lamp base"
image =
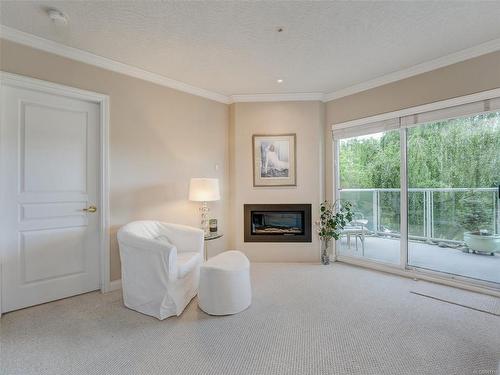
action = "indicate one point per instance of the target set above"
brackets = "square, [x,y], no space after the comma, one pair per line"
[204,217]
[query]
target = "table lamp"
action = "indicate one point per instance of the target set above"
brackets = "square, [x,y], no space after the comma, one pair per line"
[204,190]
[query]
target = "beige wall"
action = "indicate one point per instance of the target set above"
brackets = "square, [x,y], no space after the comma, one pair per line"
[159,139]
[467,77]
[306,119]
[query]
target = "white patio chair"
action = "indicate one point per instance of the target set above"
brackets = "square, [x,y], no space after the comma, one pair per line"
[356,228]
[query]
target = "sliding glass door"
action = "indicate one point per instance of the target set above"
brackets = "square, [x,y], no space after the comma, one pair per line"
[425,190]
[453,212]
[369,177]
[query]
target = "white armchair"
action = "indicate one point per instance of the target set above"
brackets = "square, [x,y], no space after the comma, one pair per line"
[160,266]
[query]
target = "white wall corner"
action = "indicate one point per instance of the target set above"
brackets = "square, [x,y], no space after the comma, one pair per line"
[114,285]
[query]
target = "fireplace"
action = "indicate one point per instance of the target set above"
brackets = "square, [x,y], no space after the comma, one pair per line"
[277,222]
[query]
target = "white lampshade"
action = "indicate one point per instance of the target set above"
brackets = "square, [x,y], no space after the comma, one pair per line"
[204,189]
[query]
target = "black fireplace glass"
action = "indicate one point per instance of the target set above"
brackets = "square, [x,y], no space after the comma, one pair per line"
[278,223]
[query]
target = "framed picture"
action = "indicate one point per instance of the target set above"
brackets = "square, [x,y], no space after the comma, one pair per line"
[274,161]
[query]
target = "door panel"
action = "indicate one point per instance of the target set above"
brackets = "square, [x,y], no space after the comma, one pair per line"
[454,166]
[30,211]
[50,158]
[40,247]
[49,136]
[369,178]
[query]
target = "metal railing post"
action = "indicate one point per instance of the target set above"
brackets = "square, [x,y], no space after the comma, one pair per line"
[496,213]
[428,214]
[375,207]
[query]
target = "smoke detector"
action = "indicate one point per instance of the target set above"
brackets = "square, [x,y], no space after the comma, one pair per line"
[58,17]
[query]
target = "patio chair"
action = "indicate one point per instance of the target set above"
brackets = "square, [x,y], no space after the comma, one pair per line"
[356,228]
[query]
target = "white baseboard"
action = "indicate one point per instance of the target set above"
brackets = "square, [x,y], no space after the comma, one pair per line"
[115,285]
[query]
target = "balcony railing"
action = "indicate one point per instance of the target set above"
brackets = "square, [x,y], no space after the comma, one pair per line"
[434,214]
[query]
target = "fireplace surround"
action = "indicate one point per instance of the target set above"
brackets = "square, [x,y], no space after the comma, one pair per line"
[277,223]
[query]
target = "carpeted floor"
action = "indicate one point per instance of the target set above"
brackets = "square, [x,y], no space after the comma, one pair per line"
[305,319]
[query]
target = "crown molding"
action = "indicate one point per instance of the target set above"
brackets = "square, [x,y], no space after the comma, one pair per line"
[466,54]
[46,45]
[293,97]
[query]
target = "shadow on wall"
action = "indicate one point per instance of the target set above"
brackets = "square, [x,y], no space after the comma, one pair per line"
[114,254]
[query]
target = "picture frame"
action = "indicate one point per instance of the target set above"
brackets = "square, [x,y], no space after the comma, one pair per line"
[274,160]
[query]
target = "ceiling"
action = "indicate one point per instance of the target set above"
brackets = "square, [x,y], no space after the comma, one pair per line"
[234,47]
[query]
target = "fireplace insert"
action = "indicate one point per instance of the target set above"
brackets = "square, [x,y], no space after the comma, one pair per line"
[277,222]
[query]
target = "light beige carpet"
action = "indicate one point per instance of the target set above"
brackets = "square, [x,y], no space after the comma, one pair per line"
[305,319]
[476,301]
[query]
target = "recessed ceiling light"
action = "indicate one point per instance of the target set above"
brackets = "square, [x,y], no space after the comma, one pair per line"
[279,80]
[58,17]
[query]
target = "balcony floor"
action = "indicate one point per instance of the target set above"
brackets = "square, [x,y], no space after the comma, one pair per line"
[483,267]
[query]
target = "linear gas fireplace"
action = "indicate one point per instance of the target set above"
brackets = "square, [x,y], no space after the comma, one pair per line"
[277,222]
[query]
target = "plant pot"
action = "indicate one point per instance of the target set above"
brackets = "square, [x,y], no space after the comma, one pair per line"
[482,243]
[325,256]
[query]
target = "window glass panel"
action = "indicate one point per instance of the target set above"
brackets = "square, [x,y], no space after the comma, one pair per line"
[453,223]
[369,174]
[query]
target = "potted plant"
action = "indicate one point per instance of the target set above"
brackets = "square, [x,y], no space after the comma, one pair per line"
[333,218]
[474,217]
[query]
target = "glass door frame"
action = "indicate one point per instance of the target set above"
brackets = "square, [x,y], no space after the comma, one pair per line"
[403,198]
[403,267]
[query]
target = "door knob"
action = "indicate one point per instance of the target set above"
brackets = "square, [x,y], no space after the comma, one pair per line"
[90,209]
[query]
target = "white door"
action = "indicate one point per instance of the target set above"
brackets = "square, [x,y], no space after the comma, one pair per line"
[49,179]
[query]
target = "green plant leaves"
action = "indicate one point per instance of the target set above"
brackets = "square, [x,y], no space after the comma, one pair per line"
[333,218]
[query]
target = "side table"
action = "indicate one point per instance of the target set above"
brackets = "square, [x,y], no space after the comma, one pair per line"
[210,237]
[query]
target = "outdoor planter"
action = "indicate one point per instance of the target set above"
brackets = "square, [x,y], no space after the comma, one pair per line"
[482,243]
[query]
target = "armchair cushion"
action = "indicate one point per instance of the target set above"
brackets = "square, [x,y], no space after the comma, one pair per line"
[185,238]
[187,262]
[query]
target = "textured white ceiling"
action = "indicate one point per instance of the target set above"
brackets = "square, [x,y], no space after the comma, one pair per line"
[233,47]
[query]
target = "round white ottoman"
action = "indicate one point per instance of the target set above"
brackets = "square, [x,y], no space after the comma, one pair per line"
[225,284]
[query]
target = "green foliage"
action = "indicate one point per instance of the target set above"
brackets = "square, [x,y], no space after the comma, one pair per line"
[474,216]
[370,162]
[333,218]
[456,153]
[462,152]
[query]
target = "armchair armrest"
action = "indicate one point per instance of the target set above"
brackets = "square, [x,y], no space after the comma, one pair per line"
[185,238]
